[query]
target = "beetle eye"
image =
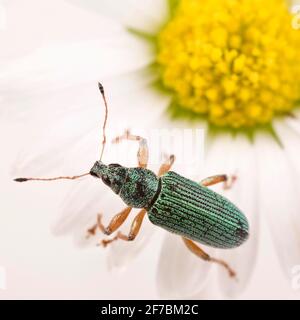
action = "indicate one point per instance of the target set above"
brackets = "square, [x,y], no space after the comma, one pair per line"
[106,180]
[92,173]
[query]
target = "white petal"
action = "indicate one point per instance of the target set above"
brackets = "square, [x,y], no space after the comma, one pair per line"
[69,133]
[186,281]
[238,158]
[19,33]
[58,74]
[119,252]
[67,147]
[88,198]
[32,25]
[293,122]
[279,200]
[74,150]
[180,273]
[80,208]
[146,15]
[55,68]
[229,155]
[290,138]
[122,252]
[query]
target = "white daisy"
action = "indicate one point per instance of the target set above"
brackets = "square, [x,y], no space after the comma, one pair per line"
[267,171]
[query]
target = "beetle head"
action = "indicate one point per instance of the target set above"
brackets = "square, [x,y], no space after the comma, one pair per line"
[113,175]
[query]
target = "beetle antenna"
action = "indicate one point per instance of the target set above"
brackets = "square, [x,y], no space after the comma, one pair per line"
[101,154]
[52,179]
[100,86]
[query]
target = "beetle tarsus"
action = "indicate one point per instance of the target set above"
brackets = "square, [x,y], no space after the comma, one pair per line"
[107,231]
[229,182]
[91,231]
[105,242]
[194,248]
[231,272]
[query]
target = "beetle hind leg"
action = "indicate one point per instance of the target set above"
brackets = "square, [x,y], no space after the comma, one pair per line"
[194,248]
[227,180]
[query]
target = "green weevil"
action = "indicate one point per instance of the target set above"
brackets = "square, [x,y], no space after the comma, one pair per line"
[173,202]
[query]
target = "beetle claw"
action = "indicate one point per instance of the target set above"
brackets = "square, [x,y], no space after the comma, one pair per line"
[107,231]
[230,181]
[91,231]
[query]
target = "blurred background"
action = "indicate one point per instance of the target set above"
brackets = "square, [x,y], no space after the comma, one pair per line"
[48,60]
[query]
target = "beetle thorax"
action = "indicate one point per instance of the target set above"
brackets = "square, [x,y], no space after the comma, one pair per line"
[140,187]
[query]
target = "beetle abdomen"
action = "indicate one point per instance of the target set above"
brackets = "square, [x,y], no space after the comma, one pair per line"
[198,213]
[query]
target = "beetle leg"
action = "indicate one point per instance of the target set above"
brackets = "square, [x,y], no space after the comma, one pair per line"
[166,166]
[203,255]
[134,230]
[228,180]
[114,224]
[143,152]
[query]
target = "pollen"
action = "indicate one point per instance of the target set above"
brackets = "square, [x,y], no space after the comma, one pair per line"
[235,63]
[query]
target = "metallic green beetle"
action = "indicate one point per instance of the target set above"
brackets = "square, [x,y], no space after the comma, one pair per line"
[178,204]
[173,202]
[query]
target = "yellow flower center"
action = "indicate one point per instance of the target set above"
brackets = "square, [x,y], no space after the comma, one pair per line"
[235,63]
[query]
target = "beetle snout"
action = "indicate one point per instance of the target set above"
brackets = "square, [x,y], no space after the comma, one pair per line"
[98,169]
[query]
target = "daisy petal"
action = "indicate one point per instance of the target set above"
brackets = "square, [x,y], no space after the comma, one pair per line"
[81,142]
[56,146]
[240,160]
[290,138]
[88,198]
[147,15]
[74,122]
[122,252]
[279,199]
[293,122]
[180,273]
[55,68]
[80,208]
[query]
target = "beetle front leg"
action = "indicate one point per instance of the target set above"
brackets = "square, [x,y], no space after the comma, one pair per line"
[134,230]
[228,181]
[114,224]
[203,255]
[143,152]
